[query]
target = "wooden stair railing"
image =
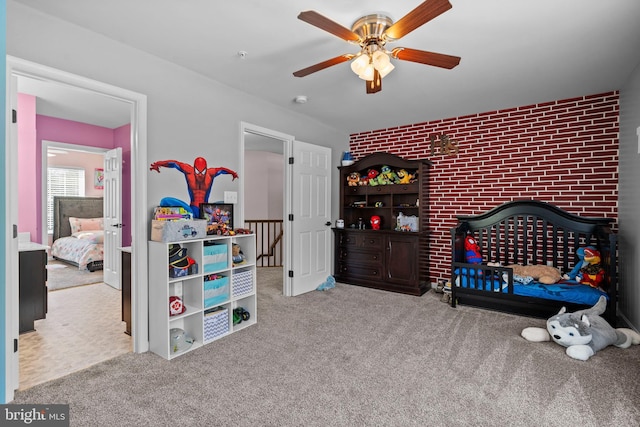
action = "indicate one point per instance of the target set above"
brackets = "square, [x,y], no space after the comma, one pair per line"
[269,243]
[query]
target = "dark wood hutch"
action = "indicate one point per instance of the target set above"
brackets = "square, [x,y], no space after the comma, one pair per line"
[387,258]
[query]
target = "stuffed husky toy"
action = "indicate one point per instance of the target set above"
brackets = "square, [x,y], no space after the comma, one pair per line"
[583,332]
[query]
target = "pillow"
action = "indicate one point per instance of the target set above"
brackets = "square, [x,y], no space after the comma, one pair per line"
[84,224]
[95,236]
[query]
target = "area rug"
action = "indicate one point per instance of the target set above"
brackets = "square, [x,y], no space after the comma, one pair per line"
[61,276]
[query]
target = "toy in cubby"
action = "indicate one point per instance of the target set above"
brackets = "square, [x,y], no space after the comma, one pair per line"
[237,254]
[180,263]
[216,289]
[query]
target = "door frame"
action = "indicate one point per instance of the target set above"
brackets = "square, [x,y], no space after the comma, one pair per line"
[287,141]
[17,67]
[46,144]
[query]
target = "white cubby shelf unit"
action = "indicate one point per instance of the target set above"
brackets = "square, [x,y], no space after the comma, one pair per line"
[210,295]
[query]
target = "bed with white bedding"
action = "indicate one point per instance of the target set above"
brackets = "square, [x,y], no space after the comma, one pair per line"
[78,231]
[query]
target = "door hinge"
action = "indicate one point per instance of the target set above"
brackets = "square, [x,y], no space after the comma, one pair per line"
[15,345]
[14,116]
[290,217]
[290,160]
[290,273]
[15,231]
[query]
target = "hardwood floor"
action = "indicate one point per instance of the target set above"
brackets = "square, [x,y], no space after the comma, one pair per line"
[83,327]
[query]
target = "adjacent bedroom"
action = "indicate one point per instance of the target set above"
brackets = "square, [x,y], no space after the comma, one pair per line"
[69,317]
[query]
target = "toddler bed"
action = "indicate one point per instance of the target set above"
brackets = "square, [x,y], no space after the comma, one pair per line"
[78,231]
[531,232]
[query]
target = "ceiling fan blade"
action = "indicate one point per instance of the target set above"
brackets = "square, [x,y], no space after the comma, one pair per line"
[422,14]
[423,57]
[374,85]
[324,23]
[322,65]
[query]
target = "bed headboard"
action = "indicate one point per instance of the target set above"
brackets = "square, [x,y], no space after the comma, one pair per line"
[79,207]
[535,232]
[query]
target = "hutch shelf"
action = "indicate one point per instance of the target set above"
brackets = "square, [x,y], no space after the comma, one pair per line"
[395,257]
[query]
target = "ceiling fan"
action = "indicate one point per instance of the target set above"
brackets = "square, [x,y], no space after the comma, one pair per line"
[371,33]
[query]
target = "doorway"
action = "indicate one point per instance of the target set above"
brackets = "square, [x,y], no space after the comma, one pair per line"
[306,207]
[137,111]
[78,303]
[264,165]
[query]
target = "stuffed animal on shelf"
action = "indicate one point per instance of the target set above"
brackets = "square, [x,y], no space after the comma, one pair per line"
[588,271]
[404,177]
[353,179]
[541,273]
[372,177]
[389,176]
[583,332]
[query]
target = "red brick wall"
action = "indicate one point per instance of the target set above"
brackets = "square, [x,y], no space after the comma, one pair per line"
[563,152]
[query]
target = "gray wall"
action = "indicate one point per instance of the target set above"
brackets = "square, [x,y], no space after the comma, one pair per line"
[629,200]
[188,115]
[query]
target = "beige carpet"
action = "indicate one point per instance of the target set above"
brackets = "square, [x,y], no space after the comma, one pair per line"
[353,356]
[61,275]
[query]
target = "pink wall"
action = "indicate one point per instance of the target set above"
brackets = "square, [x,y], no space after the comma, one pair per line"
[563,152]
[69,132]
[27,166]
[32,129]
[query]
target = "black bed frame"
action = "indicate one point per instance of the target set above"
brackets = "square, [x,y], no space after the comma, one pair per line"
[79,207]
[530,232]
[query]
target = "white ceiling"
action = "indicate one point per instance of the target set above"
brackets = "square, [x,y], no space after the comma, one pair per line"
[514,52]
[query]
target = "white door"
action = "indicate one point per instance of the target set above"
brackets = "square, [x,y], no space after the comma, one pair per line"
[311,208]
[112,216]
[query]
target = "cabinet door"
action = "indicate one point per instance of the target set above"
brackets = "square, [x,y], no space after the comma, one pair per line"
[402,259]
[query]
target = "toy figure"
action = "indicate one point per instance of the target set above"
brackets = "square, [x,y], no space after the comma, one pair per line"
[375,222]
[199,179]
[390,176]
[353,179]
[472,250]
[372,177]
[236,254]
[588,271]
[404,177]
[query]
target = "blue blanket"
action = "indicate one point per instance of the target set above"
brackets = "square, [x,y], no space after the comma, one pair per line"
[566,290]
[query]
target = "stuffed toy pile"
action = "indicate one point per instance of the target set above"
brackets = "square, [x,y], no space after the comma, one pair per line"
[583,333]
[540,273]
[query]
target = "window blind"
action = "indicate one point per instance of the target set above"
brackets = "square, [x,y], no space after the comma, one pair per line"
[62,182]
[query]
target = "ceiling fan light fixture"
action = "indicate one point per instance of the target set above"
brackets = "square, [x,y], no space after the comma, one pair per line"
[386,70]
[359,64]
[380,59]
[367,73]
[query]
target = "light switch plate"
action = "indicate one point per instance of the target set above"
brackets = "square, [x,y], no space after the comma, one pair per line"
[231,197]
